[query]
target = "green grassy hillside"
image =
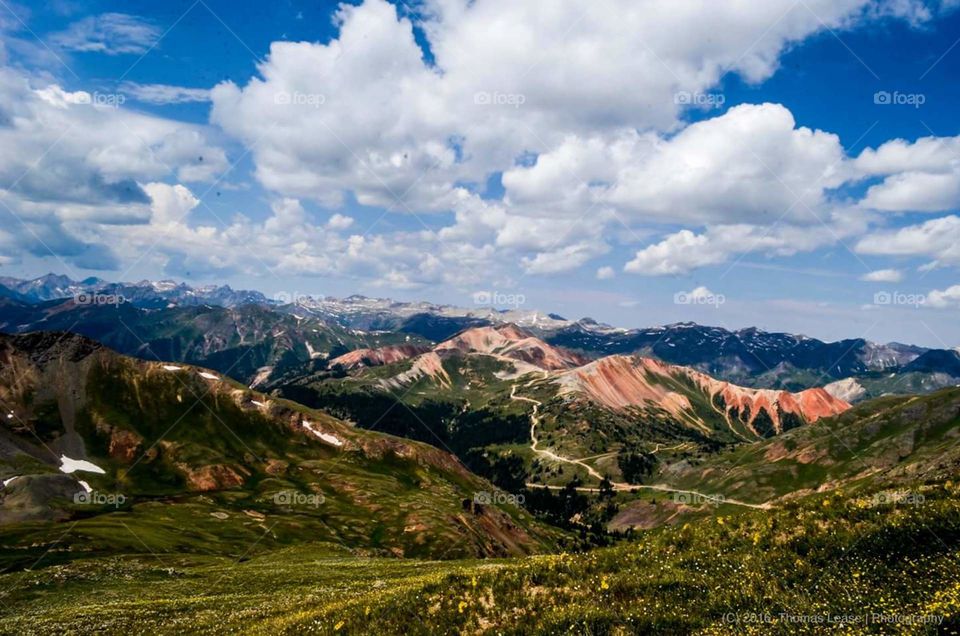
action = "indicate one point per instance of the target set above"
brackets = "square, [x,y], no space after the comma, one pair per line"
[203,465]
[819,566]
[887,441]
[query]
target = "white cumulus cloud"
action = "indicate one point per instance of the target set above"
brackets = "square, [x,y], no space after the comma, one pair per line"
[883,276]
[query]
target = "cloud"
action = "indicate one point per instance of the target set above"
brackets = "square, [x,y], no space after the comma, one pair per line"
[915,192]
[915,12]
[562,259]
[938,239]
[576,111]
[339,222]
[773,171]
[942,299]
[362,114]
[164,93]
[737,174]
[749,164]
[74,162]
[678,253]
[170,204]
[883,276]
[579,155]
[110,33]
[606,273]
[286,243]
[684,251]
[82,148]
[478,107]
[923,176]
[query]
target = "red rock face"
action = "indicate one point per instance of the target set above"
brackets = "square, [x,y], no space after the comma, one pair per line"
[619,382]
[512,342]
[506,341]
[747,404]
[816,403]
[377,357]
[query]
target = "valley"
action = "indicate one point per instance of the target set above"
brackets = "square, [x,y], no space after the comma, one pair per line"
[371,472]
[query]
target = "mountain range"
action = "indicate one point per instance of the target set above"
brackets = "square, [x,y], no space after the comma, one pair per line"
[252,338]
[528,414]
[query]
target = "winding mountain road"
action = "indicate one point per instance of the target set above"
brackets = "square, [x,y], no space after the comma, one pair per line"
[617,485]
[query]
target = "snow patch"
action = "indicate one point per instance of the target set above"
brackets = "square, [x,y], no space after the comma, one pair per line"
[85,485]
[260,404]
[326,437]
[172,367]
[6,482]
[68,465]
[209,376]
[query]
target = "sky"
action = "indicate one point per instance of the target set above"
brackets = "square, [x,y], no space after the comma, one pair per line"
[791,164]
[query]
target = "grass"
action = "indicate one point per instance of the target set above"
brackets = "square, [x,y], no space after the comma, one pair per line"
[754,572]
[233,562]
[380,494]
[889,440]
[164,595]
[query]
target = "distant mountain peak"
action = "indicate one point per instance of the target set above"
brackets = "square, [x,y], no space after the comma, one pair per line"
[145,293]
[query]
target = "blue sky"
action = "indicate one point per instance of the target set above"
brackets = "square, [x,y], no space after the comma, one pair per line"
[637,162]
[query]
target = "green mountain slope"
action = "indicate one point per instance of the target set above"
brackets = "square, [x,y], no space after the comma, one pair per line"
[807,568]
[475,394]
[885,442]
[248,342]
[861,534]
[179,459]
